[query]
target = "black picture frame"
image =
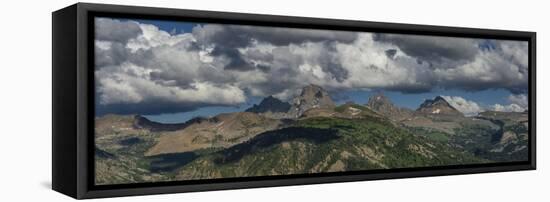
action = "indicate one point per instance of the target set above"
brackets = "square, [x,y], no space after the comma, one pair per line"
[73,100]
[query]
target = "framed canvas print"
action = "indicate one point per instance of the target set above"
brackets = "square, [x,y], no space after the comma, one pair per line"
[154,100]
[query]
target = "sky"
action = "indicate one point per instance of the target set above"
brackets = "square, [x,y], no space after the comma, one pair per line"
[174,71]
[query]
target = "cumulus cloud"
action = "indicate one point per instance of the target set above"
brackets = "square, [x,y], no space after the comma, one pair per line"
[110,53]
[226,39]
[141,66]
[493,68]
[518,103]
[132,84]
[507,108]
[156,72]
[467,107]
[470,64]
[369,66]
[520,100]
[116,30]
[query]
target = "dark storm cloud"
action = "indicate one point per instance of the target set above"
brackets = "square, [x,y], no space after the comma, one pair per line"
[433,49]
[285,36]
[115,30]
[228,38]
[237,62]
[331,64]
[391,53]
[237,36]
[473,84]
[258,55]
[145,108]
[114,55]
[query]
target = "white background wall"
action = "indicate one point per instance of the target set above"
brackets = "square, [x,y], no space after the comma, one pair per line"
[25,89]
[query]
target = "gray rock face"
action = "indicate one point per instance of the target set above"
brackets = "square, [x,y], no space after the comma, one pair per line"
[384,106]
[438,106]
[312,96]
[270,104]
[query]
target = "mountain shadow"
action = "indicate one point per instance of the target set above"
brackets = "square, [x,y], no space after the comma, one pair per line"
[270,104]
[130,141]
[270,138]
[141,122]
[170,162]
[103,154]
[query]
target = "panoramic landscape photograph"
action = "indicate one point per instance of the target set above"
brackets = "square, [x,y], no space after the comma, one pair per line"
[178,101]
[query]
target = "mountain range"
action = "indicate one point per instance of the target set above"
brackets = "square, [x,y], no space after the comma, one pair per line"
[308,134]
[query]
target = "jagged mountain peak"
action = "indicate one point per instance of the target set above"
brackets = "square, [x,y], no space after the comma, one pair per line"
[270,104]
[438,105]
[378,100]
[312,96]
[437,101]
[313,91]
[383,105]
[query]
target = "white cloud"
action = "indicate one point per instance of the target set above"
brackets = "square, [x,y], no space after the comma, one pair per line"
[152,37]
[516,51]
[520,100]
[489,69]
[115,30]
[369,66]
[472,108]
[518,103]
[507,108]
[467,107]
[132,84]
[139,63]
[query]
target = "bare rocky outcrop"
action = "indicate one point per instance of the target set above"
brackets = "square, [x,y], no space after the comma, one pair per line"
[438,107]
[312,96]
[384,106]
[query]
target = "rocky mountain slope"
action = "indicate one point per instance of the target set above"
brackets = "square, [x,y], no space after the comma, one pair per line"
[312,96]
[222,130]
[324,144]
[383,105]
[271,107]
[270,104]
[309,134]
[438,107]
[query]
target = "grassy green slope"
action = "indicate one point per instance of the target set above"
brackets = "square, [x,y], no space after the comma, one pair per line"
[326,145]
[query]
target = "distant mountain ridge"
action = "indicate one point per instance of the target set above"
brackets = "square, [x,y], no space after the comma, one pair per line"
[308,134]
[311,97]
[383,105]
[271,107]
[221,131]
[270,104]
[141,122]
[438,106]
